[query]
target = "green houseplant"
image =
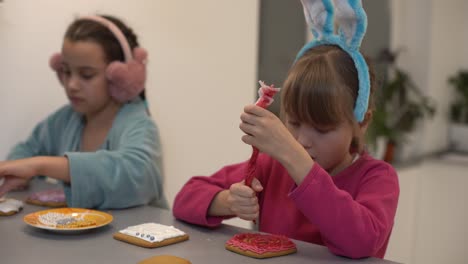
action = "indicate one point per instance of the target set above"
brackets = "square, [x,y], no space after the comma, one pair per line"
[459,112]
[459,109]
[399,105]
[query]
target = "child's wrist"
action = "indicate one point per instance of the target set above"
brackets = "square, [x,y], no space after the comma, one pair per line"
[54,167]
[36,167]
[298,164]
[220,206]
[289,156]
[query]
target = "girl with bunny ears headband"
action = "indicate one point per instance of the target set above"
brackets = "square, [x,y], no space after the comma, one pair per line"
[103,146]
[313,179]
[352,25]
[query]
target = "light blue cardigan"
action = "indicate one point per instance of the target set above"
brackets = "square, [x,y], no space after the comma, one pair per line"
[124,172]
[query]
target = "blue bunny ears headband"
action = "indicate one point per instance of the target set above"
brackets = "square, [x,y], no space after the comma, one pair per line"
[351,19]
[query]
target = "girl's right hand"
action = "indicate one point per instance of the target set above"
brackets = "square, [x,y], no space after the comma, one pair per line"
[16,173]
[242,200]
[13,183]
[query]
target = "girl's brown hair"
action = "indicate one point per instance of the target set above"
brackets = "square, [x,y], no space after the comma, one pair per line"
[321,90]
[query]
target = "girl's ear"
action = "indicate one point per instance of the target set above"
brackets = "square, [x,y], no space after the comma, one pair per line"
[365,123]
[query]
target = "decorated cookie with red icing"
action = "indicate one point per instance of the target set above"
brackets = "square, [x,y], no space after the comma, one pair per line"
[49,198]
[258,245]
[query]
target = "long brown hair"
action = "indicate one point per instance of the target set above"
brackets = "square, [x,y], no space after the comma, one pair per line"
[321,90]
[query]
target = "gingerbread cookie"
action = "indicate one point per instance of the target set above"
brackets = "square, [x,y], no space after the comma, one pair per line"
[10,206]
[151,235]
[258,245]
[49,198]
[164,259]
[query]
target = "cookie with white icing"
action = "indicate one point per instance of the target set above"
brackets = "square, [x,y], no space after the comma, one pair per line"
[10,206]
[151,235]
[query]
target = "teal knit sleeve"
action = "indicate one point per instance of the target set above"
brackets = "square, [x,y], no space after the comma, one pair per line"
[32,146]
[43,139]
[125,174]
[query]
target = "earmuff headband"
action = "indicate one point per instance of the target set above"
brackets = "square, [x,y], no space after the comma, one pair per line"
[115,31]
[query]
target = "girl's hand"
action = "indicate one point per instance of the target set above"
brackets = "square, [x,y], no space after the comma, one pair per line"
[265,131]
[16,173]
[242,200]
[12,183]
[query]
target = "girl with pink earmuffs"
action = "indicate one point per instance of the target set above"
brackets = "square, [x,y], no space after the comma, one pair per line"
[103,146]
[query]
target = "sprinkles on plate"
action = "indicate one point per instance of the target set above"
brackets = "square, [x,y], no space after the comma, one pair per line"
[60,220]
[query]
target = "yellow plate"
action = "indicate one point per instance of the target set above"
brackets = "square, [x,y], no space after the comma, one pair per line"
[69,219]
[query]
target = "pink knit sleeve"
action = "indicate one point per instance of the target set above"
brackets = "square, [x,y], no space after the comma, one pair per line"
[353,225]
[193,200]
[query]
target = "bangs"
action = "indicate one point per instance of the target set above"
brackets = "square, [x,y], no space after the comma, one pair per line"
[315,93]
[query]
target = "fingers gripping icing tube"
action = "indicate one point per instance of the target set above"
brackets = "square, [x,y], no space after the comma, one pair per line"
[266,94]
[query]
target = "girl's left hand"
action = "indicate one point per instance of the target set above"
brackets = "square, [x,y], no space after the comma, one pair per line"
[265,131]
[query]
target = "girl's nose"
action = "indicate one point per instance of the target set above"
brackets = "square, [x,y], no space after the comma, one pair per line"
[304,138]
[72,83]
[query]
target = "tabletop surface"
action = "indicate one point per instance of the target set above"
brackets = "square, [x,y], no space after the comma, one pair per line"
[20,243]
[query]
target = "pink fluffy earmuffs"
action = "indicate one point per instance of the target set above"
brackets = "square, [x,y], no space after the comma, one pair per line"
[126,79]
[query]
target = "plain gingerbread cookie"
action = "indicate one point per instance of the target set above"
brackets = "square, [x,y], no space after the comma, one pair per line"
[165,259]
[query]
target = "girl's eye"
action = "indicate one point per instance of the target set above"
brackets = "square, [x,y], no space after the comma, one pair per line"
[324,130]
[87,76]
[293,123]
[66,72]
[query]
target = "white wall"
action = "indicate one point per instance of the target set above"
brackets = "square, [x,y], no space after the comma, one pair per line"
[448,31]
[434,41]
[202,71]
[207,73]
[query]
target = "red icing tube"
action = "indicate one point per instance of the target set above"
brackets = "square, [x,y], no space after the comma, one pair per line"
[266,94]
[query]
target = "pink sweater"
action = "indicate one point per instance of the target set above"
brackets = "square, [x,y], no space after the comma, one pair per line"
[351,213]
